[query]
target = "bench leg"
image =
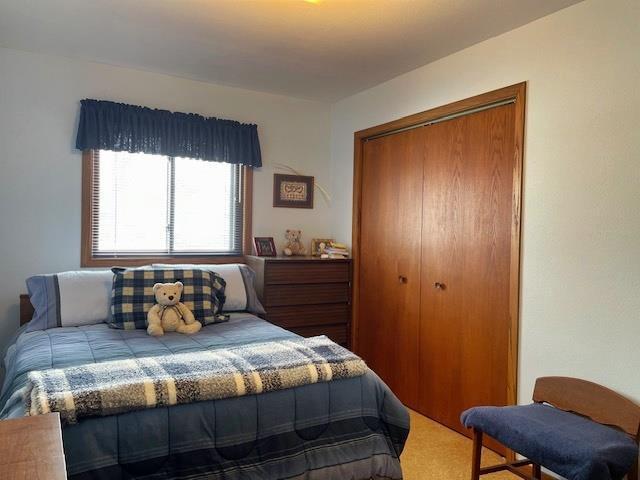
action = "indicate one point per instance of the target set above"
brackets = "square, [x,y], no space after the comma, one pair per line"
[477,454]
[633,473]
[537,472]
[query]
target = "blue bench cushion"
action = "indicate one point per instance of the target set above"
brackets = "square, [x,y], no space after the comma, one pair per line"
[565,443]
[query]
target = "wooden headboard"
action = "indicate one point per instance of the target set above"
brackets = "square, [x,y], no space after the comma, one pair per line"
[26,309]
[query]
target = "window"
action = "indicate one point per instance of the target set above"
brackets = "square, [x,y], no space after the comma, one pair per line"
[140,207]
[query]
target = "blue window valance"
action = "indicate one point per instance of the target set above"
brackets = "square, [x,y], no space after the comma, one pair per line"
[120,127]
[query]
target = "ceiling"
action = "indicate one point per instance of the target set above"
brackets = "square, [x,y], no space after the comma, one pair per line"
[320,49]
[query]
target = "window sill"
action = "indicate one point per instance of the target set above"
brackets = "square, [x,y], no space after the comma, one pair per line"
[146,260]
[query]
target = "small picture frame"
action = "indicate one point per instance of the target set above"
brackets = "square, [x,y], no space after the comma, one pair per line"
[294,191]
[265,247]
[316,246]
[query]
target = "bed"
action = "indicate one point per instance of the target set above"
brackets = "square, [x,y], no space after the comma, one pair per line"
[349,429]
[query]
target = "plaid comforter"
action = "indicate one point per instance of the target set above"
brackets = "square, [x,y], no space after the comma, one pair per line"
[350,428]
[113,387]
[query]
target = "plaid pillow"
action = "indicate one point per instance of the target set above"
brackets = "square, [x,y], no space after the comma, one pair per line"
[218,286]
[132,295]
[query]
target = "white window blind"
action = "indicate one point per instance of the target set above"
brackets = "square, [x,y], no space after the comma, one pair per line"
[152,205]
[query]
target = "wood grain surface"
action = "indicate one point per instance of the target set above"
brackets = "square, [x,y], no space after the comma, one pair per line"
[31,448]
[307,295]
[389,268]
[466,247]
[599,403]
[492,186]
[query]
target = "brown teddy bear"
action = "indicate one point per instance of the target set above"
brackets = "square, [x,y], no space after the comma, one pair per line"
[169,314]
[294,243]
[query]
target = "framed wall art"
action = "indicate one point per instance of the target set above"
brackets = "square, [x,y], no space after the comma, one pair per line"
[294,191]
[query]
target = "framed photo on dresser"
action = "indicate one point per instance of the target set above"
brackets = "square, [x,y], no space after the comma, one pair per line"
[265,247]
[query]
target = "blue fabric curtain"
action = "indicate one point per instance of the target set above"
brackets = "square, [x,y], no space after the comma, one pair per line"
[120,127]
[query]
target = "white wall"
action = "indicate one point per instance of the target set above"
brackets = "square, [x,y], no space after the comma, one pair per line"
[580,301]
[40,169]
[580,312]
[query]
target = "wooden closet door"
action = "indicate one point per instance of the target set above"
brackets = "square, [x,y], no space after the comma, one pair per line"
[389,291]
[466,248]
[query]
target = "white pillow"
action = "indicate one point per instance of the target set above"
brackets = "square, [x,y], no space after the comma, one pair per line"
[85,296]
[70,299]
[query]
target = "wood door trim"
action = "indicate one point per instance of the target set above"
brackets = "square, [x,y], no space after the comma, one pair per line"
[516,92]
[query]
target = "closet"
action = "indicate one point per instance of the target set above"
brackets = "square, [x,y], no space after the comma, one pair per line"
[436,253]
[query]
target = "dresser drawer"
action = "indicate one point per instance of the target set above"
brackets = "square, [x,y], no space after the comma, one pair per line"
[307,315]
[337,333]
[306,294]
[307,272]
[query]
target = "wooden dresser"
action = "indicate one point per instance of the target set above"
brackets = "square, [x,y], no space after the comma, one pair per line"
[31,448]
[307,295]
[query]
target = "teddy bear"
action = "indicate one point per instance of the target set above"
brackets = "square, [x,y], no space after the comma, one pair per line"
[294,245]
[169,314]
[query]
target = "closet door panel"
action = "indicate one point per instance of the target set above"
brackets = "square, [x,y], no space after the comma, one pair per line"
[389,301]
[466,254]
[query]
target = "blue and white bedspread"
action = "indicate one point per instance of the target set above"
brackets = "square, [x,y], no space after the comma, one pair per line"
[348,429]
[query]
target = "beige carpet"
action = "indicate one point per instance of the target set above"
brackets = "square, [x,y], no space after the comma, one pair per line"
[434,452]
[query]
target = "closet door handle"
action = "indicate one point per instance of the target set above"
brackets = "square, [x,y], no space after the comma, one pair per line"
[439,286]
[402,279]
